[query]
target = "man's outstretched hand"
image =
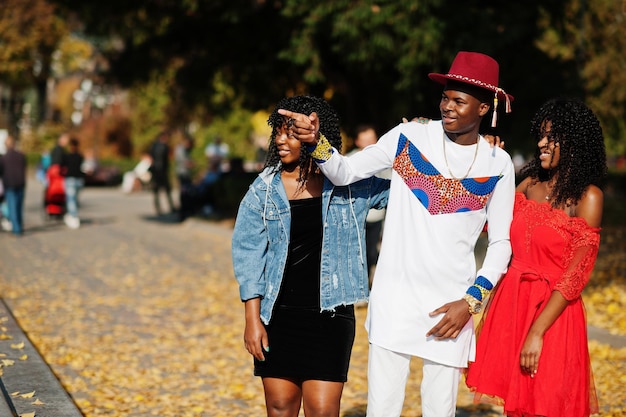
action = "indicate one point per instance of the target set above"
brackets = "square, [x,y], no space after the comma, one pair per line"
[304,128]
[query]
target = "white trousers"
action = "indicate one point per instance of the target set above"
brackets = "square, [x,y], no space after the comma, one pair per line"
[388,372]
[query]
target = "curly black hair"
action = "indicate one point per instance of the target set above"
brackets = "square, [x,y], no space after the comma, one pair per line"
[582,160]
[329,127]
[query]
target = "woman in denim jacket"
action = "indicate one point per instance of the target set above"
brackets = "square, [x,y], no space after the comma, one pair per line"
[299,257]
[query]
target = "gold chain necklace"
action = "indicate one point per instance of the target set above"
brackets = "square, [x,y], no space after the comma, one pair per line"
[445,158]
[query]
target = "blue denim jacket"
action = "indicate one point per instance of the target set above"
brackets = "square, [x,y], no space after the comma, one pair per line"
[261,240]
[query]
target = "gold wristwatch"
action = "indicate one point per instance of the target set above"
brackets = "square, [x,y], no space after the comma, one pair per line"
[475,306]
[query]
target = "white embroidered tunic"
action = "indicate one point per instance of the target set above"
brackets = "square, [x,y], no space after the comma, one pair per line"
[433,222]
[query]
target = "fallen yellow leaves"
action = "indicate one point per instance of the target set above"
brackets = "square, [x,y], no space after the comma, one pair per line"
[26,395]
[162,334]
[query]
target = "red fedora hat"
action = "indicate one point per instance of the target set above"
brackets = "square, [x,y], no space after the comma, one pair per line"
[476,69]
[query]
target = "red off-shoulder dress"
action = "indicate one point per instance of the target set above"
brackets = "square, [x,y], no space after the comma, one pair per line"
[551,252]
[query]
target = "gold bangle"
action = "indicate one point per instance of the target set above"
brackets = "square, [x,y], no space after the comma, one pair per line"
[474,305]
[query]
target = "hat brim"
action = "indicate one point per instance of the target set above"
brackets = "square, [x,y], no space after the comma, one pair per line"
[443,79]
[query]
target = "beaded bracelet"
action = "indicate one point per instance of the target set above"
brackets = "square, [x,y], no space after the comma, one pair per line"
[322,151]
[481,288]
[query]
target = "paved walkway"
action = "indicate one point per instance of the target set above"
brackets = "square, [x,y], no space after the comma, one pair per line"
[125,295]
[26,377]
[139,315]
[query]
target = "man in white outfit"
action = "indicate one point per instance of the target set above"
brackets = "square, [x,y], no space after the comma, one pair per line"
[447,182]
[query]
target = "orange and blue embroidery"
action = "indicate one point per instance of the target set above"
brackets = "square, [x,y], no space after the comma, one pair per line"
[438,194]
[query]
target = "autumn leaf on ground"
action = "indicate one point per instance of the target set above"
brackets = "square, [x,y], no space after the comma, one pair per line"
[17,345]
[7,362]
[28,395]
[23,357]
[154,323]
[15,394]
[37,402]
[28,414]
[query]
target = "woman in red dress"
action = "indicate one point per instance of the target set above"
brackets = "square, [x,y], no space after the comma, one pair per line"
[532,355]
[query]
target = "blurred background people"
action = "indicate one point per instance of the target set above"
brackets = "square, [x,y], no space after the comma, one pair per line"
[13,174]
[183,164]
[160,169]
[58,151]
[74,180]
[140,175]
[216,152]
[54,193]
[90,162]
[366,135]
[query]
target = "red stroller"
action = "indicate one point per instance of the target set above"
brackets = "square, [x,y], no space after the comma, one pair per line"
[54,197]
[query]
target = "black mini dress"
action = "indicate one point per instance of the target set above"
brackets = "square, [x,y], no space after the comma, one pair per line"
[304,342]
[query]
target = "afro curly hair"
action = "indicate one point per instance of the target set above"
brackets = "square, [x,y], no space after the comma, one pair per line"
[582,161]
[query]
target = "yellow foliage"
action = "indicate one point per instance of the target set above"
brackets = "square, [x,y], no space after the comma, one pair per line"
[156,337]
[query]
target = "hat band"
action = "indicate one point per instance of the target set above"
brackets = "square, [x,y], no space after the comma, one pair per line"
[484,85]
[495,89]
[474,81]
